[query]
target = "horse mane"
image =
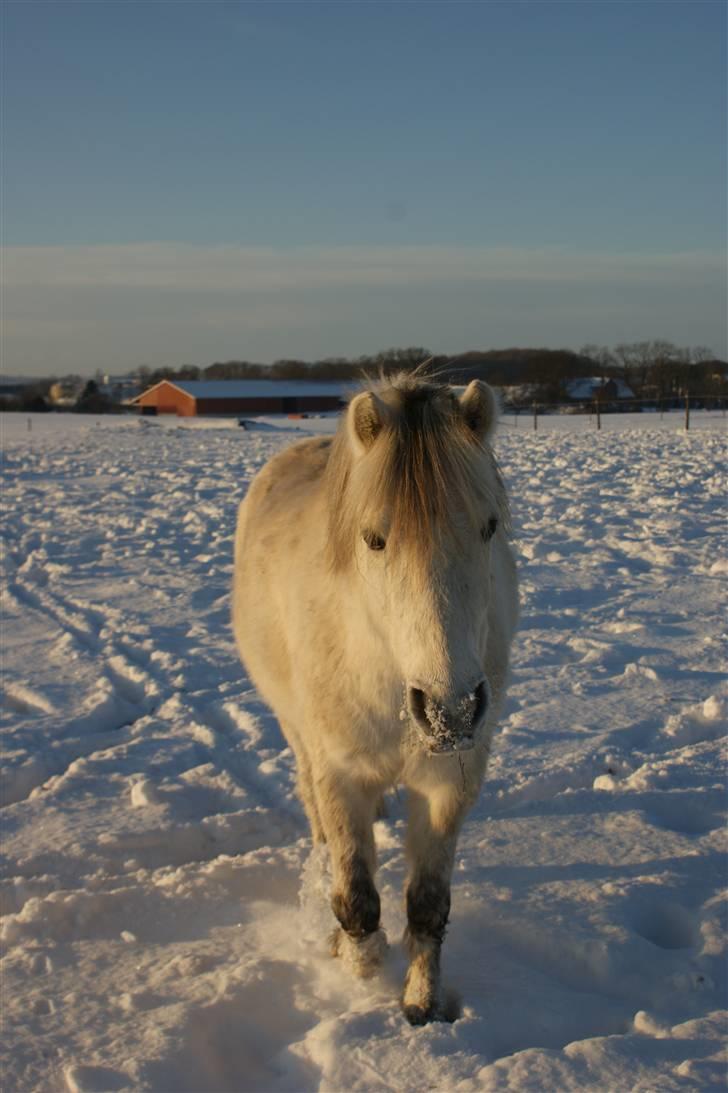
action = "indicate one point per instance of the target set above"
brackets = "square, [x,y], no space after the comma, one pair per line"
[425,473]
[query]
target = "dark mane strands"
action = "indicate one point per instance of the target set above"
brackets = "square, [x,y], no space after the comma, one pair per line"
[425,465]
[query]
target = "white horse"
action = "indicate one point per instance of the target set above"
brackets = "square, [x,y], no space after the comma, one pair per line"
[375,599]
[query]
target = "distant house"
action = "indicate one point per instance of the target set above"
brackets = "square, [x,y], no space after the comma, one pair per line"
[595,388]
[194,398]
[66,392]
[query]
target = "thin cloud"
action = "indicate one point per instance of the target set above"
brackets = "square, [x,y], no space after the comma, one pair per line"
[78,308]
[185,267]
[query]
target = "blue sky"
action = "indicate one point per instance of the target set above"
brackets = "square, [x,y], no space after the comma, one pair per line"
[197,181]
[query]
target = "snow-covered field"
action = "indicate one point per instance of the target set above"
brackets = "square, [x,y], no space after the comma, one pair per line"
[163,923]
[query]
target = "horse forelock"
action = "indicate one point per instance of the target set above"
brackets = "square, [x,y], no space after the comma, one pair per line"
[425,475]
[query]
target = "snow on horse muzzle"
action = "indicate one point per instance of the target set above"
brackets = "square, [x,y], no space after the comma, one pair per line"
[448,728]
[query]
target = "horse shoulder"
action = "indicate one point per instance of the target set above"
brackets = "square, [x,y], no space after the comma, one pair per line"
[502,617]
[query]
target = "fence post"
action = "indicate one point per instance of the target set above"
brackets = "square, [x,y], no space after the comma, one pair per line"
[687,411]
[535,417]
[599,416]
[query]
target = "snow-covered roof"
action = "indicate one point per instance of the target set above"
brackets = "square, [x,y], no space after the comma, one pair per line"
[585,387]
[260,388]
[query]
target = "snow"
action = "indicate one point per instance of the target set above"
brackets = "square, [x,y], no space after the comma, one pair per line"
[164,924]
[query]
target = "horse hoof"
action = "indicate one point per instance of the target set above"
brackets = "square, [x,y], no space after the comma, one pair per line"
[417,1015]
[362,956]
[446,1010]
[424,1001]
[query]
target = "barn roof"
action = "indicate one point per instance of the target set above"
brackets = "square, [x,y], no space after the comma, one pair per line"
[220,389]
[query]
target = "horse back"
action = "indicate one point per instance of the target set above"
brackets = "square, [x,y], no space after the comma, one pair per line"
[281,523]
[286,483]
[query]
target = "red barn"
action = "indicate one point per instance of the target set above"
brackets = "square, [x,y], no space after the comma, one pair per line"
[192,398]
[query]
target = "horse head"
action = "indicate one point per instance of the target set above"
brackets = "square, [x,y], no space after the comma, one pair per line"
[416,506]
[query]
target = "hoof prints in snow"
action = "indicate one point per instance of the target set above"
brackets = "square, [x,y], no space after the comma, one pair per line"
[216,1049]
[153,847]
[669,927]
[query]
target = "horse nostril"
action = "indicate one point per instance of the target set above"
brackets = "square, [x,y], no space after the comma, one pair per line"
[461,719]
[481,702]
[416,701]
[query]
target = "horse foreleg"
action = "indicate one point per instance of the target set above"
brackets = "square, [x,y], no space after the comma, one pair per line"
[304,783]
[431,837]
[347,813]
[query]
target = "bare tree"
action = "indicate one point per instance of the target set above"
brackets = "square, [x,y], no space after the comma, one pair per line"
[700,353]
[602,356]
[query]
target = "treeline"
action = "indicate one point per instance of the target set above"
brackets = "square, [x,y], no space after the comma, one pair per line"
[330,369]
[652,369]
[661,370]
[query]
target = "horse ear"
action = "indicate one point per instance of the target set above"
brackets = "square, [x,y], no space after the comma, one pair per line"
[479,408]
[366,417]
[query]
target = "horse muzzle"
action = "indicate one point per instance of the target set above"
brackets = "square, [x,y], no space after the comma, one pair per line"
[448,727]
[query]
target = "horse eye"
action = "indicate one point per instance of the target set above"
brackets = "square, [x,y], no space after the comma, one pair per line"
[373,541]
[488,530]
